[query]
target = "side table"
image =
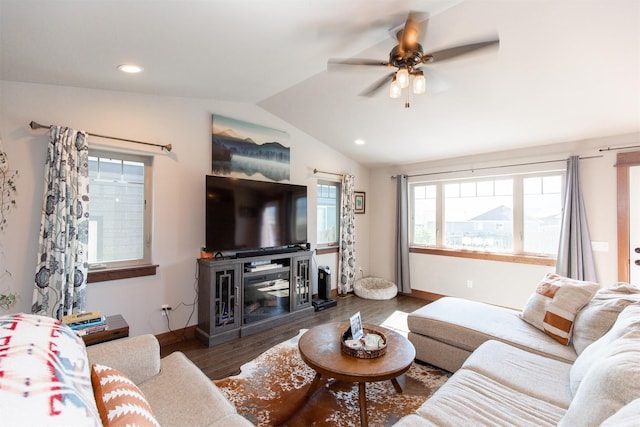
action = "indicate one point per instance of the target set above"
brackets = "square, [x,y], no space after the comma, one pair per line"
[118,328]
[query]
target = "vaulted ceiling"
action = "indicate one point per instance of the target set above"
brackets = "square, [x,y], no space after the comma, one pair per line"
[563,71]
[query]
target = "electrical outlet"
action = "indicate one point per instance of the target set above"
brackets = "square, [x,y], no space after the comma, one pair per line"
[165,309]
[470,284]
[360,269]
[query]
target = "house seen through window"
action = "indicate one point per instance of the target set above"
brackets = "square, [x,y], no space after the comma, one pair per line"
[119,215]
[518,214]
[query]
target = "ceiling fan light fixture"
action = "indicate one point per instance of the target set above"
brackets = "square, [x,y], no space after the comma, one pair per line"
[402,76]
[419,83]
[394,89]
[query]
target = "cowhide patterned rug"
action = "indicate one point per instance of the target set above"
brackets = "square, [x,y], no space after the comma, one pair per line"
[270,391]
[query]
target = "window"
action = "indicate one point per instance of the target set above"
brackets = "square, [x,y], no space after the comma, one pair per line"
[424,214]
[542,205]
[478,215]
[119,212]
[518,214]
[328,213]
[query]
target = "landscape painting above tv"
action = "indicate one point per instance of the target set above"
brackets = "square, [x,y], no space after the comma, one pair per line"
[242,149]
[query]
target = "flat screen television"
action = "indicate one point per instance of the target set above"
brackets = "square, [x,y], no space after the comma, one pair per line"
[245,215]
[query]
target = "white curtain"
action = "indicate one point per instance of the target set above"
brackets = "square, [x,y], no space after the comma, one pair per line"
[61,271]
[402,235]
[575,255]
[347,255]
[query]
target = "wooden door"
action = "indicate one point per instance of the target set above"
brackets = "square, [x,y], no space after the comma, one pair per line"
[634,225]
[628,183]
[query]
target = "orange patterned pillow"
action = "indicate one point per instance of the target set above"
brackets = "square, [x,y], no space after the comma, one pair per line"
[554,305]
[120,402]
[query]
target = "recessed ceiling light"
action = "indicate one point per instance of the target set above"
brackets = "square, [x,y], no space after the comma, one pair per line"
[130,68]
[359,141]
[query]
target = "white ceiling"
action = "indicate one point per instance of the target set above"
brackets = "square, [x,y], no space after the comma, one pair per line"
[564,70]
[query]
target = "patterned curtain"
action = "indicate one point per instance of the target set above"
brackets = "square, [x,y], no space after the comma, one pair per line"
[575,256]
[347,255]
[61,270]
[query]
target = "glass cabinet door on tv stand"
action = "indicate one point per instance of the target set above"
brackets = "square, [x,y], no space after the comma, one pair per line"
[218,300]
[301,278]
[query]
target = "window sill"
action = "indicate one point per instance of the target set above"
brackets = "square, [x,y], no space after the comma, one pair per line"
[520,259]
[121,273]
[327,250]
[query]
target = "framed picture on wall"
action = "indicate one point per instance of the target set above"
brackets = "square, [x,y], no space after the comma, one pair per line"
[240,149]
[359,201]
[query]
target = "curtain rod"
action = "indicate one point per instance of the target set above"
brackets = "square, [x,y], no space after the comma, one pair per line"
[328,173]
[168,147]
[497,167]
[618,148]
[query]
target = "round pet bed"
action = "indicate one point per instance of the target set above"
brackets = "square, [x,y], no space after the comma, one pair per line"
[375,288]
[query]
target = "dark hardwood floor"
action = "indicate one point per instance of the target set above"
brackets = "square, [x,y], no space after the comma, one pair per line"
[225,359]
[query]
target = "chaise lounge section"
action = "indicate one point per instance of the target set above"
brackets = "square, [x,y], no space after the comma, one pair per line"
[447,331]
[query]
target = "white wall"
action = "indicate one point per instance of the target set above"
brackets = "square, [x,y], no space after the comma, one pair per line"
[178,194]
[501,283]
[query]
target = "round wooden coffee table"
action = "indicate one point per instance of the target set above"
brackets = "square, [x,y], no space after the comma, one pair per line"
[320,349]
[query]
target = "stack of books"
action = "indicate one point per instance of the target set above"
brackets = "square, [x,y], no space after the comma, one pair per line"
[86,323]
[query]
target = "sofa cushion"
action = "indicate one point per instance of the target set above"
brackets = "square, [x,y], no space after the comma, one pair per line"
[142,361]
[628,416]
[454,321]
[414,420]
[120,402]
[554,305]
[473,399]
[44,374]
[610,384]
[597,317]
[628,320]
[532,374]
[200,400]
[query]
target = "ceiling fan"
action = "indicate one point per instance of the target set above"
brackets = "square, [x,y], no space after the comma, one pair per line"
[407,56]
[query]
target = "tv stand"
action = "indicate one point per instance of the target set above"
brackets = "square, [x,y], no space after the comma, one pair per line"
[243,296]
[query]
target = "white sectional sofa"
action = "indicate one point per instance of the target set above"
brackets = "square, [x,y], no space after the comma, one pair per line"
[508,372]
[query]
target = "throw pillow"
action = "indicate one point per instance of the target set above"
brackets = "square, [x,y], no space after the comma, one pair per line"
[554,305]
[597,317]
[627,321]
[627,416]
[611,383]
[45,378]
[120,402]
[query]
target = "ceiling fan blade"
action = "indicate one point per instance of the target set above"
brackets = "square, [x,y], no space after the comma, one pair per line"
[357,61]
[435,83]
[414,27]
[454,52]
[376,86]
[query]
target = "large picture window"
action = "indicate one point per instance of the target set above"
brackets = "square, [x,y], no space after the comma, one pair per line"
[119,213]
[517,214]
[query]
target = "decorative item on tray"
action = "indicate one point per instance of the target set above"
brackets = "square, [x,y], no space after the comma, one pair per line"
[362,342]
[371,345]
